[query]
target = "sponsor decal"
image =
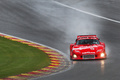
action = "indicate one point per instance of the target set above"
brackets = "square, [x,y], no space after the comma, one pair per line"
[88,52]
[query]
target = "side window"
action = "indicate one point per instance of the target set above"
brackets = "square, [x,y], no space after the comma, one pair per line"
[96,42]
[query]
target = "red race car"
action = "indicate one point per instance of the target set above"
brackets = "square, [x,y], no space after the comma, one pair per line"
[87,47]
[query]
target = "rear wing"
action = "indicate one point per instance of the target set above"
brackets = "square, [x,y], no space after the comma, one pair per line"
[86,36]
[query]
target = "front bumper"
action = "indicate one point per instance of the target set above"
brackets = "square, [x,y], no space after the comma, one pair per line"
[92,57]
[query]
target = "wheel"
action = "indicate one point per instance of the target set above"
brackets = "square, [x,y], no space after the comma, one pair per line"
[71,58]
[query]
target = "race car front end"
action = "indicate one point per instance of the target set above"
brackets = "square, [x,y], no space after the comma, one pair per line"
[86,55]
[87,47]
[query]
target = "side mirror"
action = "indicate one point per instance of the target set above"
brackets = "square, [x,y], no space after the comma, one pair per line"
[75,43]
[71,45]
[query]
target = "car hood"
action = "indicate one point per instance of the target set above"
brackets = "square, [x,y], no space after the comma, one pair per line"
[88,48]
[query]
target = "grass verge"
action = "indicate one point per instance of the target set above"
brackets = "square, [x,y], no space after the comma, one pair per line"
[17,58]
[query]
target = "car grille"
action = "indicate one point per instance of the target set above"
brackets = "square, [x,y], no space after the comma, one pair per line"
[88,56]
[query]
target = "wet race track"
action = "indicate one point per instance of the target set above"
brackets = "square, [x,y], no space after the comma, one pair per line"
[57,24]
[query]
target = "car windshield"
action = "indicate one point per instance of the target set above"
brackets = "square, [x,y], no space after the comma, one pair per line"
[87,41]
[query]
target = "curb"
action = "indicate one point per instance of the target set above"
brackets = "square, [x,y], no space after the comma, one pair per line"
[58,63]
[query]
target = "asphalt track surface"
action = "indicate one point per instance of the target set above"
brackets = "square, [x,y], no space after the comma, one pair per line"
[57,25]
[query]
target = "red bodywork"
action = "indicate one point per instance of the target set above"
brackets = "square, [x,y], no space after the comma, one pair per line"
[87,51]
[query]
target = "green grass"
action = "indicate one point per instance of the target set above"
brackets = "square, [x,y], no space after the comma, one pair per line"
[17,58]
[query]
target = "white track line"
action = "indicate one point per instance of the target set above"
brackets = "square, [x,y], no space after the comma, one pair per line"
[85,12]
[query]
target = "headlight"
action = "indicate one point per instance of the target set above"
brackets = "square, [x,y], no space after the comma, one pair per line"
[102,55]
[74,56]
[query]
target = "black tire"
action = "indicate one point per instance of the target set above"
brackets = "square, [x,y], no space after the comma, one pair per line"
[71,58]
